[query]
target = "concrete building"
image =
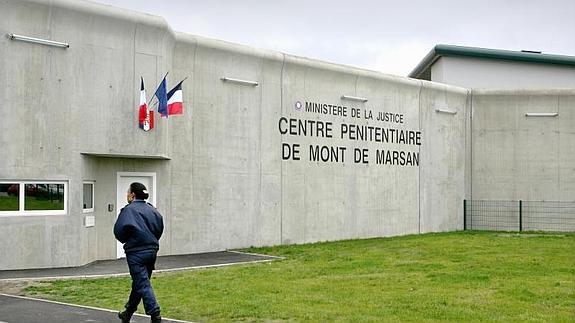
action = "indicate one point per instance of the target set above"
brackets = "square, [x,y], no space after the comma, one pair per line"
[522,131]
[271,149]
[483,68]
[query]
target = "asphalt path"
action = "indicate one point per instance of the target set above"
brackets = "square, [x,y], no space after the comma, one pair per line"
[18,309]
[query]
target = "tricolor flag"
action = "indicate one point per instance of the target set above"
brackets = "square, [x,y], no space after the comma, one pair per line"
[162,98]
[145,116]
[175,101]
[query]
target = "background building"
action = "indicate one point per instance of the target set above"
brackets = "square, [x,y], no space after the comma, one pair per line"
[496,69]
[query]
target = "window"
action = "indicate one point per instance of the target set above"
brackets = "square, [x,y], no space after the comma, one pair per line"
[88,200]
[33,198]
[39,197]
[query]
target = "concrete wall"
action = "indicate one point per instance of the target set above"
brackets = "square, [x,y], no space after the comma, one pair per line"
[236,191]
[71,115]
[499,74]
[516,157]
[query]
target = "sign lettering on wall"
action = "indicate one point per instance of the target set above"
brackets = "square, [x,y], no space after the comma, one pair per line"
[387,132]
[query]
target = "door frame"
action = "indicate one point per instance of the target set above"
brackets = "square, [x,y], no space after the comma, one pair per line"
[119,248]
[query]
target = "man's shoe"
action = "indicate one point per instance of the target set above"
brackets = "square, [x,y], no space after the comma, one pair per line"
[156,319]
[125,316]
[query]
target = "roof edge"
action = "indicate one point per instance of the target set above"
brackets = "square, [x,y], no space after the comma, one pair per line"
[425,63]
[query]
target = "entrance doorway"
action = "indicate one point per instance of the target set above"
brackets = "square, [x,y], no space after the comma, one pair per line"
[123,183]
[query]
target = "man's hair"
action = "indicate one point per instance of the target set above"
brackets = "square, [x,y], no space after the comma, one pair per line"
[140,190]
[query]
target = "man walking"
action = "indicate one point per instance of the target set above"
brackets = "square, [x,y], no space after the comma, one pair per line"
[139,227]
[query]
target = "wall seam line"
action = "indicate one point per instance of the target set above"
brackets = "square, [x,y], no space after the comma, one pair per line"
[260,146]
[281,161]
[419,168]
[470,145]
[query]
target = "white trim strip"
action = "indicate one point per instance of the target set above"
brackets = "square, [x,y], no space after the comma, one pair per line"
[353,98]
[213,266]
[38,41]
[445,111]
[238,81]
[82,306]
[64,277]
[541,114]
[255,254]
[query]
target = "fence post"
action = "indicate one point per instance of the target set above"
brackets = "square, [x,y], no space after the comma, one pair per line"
[520,215]
[464,214]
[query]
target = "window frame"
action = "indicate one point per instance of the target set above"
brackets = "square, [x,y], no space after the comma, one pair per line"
[22,195]
[88,210]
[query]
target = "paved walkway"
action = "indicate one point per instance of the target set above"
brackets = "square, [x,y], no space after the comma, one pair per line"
[15,309]
[108,268]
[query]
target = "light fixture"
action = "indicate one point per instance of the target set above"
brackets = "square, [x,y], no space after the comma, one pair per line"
[238,81]
[38,41]
[541,114]
[445,111]
[353,98]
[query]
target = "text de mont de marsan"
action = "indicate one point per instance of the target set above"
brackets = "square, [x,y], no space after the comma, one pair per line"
[350,132]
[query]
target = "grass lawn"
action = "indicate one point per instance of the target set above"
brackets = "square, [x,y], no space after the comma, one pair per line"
[461,276]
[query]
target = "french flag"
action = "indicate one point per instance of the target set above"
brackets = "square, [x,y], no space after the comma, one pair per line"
[175,100]
[145,116]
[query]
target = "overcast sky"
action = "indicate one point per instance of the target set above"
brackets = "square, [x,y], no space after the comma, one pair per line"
[387,36]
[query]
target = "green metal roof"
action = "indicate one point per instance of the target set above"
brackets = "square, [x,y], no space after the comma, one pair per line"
[423,69]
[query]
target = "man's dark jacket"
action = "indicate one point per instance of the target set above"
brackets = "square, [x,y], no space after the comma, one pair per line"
[139,227]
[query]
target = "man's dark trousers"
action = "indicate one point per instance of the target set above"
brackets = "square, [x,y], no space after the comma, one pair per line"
[141,264]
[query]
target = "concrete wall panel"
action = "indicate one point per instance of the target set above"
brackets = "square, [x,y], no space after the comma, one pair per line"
[443,118]
[519,157]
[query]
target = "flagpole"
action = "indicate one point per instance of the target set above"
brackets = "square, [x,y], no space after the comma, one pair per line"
[180,82]
[157,88]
